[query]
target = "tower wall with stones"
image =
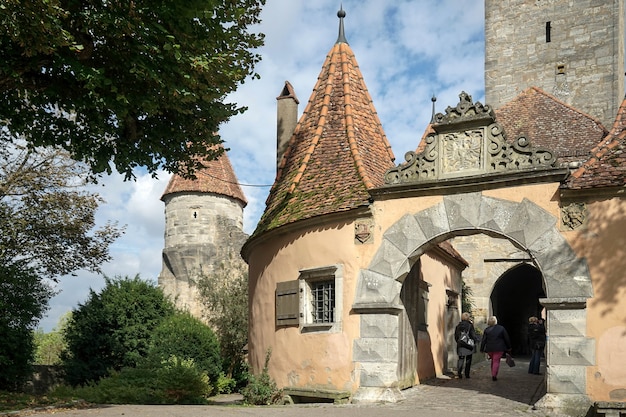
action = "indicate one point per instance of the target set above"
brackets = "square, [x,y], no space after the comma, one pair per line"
[571,49]
[203,236]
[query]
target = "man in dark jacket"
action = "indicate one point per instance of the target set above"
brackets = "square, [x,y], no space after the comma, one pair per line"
[496,343]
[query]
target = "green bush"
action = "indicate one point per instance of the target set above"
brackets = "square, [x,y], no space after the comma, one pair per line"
[23,301]
[183,382]
[185,337]
[175,381]
[112,330]
[262,389]
[16,354]
[225,384]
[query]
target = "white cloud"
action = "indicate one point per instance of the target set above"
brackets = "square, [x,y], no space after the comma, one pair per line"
[407,51]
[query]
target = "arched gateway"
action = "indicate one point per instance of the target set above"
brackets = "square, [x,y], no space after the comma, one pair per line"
[528,227]
[465,153]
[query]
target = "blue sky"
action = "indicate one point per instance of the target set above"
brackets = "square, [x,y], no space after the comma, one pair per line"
[406,50]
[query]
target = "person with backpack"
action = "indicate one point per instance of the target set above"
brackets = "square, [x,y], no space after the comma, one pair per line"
[496,343]
[466,339]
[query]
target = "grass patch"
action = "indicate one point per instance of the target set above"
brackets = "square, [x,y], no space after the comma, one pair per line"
[12,401]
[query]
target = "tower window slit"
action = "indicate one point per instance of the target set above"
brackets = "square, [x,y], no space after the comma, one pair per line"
[548,31]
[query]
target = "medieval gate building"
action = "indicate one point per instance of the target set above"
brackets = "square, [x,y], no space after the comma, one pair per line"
[357,263]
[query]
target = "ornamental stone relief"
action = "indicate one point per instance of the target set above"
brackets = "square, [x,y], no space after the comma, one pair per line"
[467,141]
[573,216]
[462,151]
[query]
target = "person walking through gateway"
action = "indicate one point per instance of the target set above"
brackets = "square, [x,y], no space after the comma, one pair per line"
[495,342]
[466,339]
[537,342]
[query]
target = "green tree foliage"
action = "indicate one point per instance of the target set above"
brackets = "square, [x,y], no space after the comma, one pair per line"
[132,83]
[46,230]
[23,302]
[467,302]
[113,328]
[262,389]
[187,338]
[226,301]
[49,346]
[46,219]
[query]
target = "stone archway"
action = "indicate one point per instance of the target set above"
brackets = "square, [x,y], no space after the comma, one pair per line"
[526,225]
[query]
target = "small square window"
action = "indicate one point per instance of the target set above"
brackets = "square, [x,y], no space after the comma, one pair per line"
[321,298]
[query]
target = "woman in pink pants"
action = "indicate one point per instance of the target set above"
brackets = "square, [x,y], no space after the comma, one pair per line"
[496,343]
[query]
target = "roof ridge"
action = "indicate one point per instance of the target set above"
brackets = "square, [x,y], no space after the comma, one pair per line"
[524,92]
[350,125]
[318,131]
[607,143]
[294,135]
[558,100]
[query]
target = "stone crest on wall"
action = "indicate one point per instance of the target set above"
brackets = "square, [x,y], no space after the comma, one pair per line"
[467,141]
[573,216]
[363,231]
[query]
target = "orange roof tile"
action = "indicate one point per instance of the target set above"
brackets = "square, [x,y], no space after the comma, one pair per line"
[607,167]
[551,124]
[337,152]
[217,177]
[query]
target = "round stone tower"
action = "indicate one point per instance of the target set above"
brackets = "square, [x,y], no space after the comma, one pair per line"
[203,232]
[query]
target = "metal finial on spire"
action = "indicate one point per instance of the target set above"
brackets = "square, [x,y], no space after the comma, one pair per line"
[342,36]
[432,117]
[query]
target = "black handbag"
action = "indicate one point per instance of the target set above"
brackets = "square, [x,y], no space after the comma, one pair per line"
[466,340]
[509,360]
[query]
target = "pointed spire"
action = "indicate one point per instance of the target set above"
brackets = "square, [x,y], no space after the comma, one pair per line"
[338,151]
[342,36]
[432,117]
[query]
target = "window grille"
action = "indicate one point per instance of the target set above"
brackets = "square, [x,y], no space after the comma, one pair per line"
[323,300]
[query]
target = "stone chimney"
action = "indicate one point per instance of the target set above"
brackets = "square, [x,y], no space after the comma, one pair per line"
[287,118]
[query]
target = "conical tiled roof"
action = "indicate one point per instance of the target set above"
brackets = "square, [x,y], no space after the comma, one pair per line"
[338,150]
[607,166]
[217,177]
[549,123]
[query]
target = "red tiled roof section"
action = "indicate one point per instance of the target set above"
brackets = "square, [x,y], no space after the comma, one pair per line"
[447,247]
[551,124]
[217,177]
[338,150]
[607,165]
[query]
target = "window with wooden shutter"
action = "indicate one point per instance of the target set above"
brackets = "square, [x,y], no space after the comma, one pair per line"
[321,301]
[287,303]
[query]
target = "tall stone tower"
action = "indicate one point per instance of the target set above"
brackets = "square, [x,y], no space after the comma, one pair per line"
[572,49]
[203,232]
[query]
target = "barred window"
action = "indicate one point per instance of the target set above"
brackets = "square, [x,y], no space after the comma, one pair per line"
[323,299]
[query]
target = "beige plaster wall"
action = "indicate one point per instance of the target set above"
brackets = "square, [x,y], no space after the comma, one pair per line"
[318,359]
[434,347]
[602,241]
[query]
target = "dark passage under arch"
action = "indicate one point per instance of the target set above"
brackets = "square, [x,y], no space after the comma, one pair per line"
[515,298]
